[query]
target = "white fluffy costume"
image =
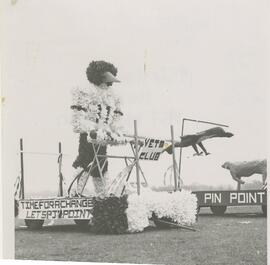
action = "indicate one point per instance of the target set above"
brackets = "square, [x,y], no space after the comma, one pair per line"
[96,115]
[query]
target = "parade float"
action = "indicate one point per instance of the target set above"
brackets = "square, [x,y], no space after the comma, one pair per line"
[114,207]
[119,209]
[123,209]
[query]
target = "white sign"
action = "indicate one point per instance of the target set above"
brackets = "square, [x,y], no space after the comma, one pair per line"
[152,149]
[66,208]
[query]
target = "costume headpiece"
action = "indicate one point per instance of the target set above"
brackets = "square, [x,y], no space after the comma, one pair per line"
[108,77]
[99,72]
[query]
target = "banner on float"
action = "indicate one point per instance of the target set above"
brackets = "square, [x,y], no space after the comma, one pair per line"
[231,198]
[64,208]
[152,149]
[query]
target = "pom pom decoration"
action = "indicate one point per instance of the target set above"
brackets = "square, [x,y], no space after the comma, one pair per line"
[137,214]
[179,207]
[117,215]
[109,215]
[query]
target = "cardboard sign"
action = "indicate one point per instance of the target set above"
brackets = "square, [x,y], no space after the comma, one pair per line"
[152,149]
[66,208]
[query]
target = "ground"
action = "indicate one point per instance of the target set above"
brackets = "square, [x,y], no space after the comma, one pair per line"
[238,239]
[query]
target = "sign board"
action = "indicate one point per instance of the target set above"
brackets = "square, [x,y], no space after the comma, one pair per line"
[65,208]
[152,149]
[231,198]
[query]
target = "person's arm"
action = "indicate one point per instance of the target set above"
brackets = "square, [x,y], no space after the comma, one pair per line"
[116,127]
[83,118]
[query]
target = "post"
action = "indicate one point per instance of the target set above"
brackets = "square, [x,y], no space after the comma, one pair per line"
[137,157]
[139,166]
[22,168]
[180,156]
[207,122]
[174,161]
[238,186]
[182,133]
[60,192]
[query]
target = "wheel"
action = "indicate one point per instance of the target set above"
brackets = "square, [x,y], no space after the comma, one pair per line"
[218,210]
[264,210]
[34,224]
[82,222]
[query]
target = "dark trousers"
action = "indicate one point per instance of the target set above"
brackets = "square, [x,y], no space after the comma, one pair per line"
[86,156]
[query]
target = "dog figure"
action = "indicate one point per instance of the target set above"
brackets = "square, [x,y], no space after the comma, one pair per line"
[197,139]
[247,169]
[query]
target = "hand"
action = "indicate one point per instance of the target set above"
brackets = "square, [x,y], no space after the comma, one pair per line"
[168,149]
[140,143]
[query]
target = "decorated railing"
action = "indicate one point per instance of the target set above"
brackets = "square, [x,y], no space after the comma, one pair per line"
[143,148]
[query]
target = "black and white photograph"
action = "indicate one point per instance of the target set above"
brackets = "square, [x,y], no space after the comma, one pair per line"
[135,131]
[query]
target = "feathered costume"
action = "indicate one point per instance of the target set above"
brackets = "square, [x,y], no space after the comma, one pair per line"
[96,114]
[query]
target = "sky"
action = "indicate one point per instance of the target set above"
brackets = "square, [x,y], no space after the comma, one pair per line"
[204,60]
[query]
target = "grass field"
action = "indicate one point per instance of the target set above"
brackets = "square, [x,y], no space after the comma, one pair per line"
[234,238]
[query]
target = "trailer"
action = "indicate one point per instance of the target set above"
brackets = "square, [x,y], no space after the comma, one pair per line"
[219,200]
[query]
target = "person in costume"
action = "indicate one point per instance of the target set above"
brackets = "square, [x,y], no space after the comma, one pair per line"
[197,139]
[96,114]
